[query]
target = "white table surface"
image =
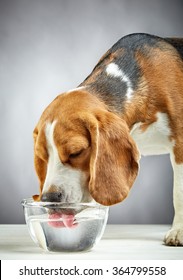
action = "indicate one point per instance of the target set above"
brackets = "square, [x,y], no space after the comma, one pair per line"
[119,242]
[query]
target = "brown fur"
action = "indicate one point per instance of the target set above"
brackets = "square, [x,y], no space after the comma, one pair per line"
[109,156]
[160,90]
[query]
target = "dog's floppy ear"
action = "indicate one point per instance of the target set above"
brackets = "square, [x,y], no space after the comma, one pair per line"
[40,155]
[114,158]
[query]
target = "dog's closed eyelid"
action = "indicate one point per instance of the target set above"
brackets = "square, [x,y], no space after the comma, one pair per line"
[76,154]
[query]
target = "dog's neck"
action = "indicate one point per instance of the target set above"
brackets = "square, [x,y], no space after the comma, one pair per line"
[115,89]
[131,111]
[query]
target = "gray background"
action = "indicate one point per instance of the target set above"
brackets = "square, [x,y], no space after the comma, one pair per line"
[47,47]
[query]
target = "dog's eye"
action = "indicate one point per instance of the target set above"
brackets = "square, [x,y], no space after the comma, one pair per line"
[74,155]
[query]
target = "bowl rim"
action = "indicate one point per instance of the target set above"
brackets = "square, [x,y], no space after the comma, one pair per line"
[29,202]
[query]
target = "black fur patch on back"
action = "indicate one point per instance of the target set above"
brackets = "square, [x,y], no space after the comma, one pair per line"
[113,89]
[176,43]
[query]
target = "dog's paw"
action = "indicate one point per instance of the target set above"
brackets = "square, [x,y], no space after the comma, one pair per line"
[174,237]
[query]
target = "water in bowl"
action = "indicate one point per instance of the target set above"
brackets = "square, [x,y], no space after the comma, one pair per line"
[82,237]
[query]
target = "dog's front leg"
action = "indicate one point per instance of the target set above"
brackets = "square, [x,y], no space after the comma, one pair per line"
[174,236]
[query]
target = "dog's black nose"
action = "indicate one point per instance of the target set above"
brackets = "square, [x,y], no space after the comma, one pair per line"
[51,197]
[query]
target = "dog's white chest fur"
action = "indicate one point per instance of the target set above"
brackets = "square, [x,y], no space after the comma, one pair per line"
[155,139]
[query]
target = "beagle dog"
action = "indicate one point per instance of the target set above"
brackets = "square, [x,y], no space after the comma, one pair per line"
[88,140]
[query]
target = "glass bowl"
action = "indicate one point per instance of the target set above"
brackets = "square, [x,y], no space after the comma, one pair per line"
[65,227]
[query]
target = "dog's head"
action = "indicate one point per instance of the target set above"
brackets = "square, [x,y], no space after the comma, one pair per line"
[83,152]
